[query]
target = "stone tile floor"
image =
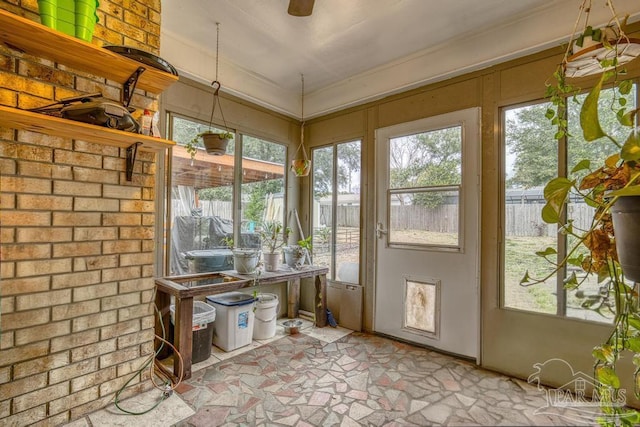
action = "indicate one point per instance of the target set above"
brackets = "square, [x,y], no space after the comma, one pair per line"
[324,377]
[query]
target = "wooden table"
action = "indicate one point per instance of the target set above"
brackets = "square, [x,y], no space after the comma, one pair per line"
[185,288]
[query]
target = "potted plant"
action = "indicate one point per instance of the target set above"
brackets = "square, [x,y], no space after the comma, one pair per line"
[605,248]
[273,236]
[296,255]
[245,260]
[214,143]
[301,167]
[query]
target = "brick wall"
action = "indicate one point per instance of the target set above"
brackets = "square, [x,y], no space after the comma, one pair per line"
[76,240]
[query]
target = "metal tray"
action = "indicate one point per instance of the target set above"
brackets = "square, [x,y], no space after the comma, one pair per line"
[144,58]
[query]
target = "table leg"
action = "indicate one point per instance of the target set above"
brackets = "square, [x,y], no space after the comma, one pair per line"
[183,335]
[163,301]
[293,298]
[321,300]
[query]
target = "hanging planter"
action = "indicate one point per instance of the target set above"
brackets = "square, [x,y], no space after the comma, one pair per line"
[596,50]
[214,142]
[301,166]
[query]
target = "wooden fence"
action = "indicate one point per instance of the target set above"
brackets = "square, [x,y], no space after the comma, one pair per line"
[520,219]
[209,208]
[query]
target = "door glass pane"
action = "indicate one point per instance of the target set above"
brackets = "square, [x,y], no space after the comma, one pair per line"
[426,159]
[531,159]
[430,164]
[336,210]
[263,187]
[347,231]
[428,217]
[323,183]
[201,202]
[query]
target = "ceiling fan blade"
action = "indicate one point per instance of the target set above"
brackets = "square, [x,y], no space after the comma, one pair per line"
[300,7]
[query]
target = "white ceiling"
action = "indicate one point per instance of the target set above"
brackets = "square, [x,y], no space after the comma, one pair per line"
[354,51]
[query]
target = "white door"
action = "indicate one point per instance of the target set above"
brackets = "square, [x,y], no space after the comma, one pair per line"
[428,216]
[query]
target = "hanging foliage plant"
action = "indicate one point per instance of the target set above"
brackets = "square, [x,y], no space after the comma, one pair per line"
[595,251]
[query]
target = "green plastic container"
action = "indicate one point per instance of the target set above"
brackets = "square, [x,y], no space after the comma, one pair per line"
[66,21]
[48,12]
[66,17]
[69,5]
[76,18]
[86,18]
[66,27]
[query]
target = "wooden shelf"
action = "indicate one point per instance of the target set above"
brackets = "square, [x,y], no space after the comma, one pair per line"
[36,122]
[36,39]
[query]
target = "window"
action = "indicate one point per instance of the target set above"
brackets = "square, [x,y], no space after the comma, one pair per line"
[203,207]
[425,177]
[532,157]
[336,209]
[263,182]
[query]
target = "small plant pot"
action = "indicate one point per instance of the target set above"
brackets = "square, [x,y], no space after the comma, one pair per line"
[294,256]
[301,167]
[625,214]
[215,144]
[245,261]
[272,261]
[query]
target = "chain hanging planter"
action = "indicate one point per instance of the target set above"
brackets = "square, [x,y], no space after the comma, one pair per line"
[214,142]
[596,50]
[301,166]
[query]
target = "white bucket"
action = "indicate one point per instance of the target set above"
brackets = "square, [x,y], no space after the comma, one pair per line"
[266,314]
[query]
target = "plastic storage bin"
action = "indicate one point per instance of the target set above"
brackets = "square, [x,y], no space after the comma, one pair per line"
[203,317]
[234,320]
[210,260]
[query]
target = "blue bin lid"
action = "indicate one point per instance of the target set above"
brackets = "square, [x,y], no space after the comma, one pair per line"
[231,299]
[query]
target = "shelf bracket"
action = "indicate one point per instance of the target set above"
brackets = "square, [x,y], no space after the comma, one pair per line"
[132,151]
[130,85]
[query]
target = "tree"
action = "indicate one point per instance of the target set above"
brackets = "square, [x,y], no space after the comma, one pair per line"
[530,138]
[256,194]
[349,165]
[428,159]
[322,164]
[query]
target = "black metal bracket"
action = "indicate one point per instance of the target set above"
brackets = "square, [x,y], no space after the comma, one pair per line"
[132,151]
[130,85]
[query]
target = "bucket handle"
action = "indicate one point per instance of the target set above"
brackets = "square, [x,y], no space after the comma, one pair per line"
[275,316]
[269,320]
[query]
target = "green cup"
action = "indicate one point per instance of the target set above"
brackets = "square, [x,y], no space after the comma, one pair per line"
[86,19]
[85,26]
[69,5]
[67,16]
[85,34]
[48,12]
[66,27]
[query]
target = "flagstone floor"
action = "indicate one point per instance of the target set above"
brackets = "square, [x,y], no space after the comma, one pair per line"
[358,379]
[331,377]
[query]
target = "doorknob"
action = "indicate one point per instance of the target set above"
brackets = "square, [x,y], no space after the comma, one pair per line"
[380,230]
